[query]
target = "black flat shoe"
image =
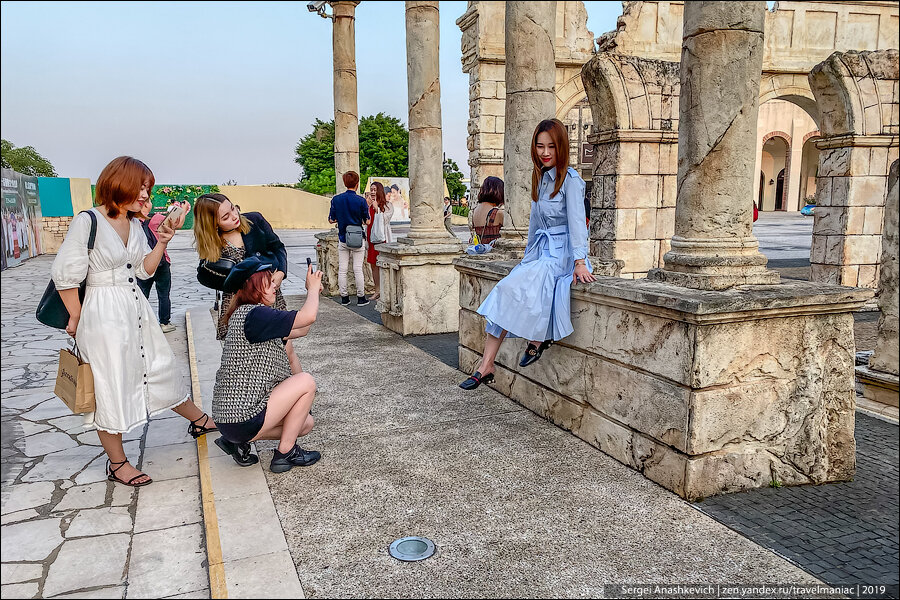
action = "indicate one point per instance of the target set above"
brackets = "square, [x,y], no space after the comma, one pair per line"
[475,380]
[239,452]
[533,353]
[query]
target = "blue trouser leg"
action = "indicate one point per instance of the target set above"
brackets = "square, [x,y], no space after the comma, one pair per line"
[145,285]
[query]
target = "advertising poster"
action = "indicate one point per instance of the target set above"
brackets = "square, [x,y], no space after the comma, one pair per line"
[20,218]
[396,189]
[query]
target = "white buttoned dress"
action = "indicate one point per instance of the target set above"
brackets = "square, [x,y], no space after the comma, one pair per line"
[135,374]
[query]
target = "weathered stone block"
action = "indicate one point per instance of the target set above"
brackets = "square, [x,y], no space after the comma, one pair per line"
[861,249]
[625,223]
[639,255]
[868,276]
[874,220]
[645,223]
[865,191]
[649,159]
[637,191]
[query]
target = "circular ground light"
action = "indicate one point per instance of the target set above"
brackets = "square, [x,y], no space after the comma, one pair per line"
[411,549]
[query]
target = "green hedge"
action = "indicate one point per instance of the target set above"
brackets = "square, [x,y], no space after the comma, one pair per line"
[162,195]
[462,211]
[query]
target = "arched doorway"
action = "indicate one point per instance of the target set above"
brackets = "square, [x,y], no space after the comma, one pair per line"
[774,163]
[793,120]
[779,191]
[809,168]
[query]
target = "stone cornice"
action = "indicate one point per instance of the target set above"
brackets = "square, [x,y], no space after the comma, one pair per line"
[699,307]
[850,139]
[633,135]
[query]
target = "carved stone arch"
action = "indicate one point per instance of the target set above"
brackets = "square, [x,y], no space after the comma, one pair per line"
[568,95]
[791,87]
[634,105]
[857,93]
[778,134]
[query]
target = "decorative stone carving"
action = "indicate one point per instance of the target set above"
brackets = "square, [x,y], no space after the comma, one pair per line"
[857,94]
[346,117]
[713,247]
[704,392]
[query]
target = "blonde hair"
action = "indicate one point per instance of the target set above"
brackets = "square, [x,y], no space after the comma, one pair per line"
[207,237]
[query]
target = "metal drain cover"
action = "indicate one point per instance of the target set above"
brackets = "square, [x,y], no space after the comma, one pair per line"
[411,549]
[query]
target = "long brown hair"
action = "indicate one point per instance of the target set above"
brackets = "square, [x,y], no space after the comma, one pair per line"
[380,198]
[207,237]
[560,138]
[250,293]
[120,184]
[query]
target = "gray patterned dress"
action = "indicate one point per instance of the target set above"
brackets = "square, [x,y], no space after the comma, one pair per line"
[248,372]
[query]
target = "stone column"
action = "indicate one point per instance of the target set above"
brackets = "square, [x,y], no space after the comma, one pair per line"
[530,98]
[426,175]
[419,285]
[346,118]
[721,64]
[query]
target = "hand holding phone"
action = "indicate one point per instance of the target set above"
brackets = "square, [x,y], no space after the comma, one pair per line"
[173,213]
[309,265]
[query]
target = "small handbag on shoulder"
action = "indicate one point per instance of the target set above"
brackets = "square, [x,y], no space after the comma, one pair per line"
[354,236]
[51,311]
[376,235]
[212,274]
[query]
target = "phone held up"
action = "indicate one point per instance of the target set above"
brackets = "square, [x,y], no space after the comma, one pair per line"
[173,213]
[309,265]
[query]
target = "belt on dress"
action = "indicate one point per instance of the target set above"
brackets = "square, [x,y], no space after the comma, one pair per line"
[549,233]
[111,278]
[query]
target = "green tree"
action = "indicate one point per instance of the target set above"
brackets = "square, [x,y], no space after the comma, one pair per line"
[453,177]
[383,152]
[25,160]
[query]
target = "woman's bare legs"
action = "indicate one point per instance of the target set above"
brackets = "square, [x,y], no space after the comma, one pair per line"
[189,411]
[491,347]
[112,444]
[376,277]
[287,412]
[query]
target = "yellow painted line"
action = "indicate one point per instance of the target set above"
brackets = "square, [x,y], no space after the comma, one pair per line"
[217,586]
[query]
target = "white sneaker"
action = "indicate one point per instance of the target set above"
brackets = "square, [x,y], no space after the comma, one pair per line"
[167,328]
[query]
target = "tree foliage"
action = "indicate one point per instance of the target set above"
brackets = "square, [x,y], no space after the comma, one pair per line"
[25,160]
[383,152]
[453,177]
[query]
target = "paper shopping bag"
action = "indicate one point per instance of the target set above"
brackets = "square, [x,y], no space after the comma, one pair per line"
[75,382]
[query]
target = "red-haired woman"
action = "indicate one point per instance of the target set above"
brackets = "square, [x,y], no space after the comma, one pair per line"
[256,397]
[532,301]
[135,374]
[380,208]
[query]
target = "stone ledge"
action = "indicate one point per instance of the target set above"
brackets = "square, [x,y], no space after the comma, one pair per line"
[791,298]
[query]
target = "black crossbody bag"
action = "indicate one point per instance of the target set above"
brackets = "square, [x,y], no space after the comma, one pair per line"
[212,274]
[51,311]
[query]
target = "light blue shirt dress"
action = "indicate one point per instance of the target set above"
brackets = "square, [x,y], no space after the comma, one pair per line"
[533,301]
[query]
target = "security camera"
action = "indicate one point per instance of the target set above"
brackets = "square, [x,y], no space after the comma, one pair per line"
[316,6]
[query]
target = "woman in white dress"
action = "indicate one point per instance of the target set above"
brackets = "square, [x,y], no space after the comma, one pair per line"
[135,375]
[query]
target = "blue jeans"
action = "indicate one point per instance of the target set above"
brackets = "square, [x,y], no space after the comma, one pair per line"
[163,279]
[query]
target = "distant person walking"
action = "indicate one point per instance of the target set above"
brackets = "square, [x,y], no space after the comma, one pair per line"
[349,209]
[448,216]
[379,208]
[163,276]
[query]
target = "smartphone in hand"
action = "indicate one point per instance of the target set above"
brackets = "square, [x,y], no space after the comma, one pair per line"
[309,265]
[173,213]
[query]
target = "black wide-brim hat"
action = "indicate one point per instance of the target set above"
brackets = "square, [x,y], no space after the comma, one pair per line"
[242,271]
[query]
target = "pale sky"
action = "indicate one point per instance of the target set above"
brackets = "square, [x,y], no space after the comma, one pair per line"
[205,92]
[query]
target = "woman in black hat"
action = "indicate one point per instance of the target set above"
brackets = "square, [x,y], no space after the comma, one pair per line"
[256,397]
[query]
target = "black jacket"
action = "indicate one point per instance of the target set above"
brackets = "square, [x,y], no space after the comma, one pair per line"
[261,240]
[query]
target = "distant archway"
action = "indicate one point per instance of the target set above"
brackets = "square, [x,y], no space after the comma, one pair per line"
[775,161]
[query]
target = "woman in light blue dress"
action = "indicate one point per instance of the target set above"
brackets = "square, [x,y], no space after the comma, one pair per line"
[532,302]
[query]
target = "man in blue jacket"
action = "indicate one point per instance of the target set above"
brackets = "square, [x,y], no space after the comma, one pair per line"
[349,208]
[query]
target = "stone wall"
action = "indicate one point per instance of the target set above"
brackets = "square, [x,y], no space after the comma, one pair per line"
[703,392]
[53,232]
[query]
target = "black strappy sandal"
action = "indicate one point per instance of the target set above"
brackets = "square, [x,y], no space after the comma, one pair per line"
[111,474]
[198,430]
[533,353]
[475,380]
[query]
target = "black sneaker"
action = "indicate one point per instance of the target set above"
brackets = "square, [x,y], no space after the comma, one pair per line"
[345,300]
[361,300]
[297,457]
[239,452]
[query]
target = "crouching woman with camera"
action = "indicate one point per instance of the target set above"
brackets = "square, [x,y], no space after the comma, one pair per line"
[256,397]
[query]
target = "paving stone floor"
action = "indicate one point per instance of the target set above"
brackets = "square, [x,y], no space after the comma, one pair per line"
[843,533]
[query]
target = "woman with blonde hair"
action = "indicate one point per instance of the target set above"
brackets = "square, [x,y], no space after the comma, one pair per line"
[381,208]
[134,368]
[532,301]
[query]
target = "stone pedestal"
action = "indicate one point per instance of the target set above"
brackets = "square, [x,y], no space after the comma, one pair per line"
[530,79]
[703,392]
[419,288]
[721,64]
[329,262]
[346,117]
